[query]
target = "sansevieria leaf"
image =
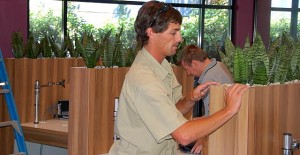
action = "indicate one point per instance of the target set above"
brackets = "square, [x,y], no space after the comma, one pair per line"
[258,53]
[283,65]
[32,50]
[260,74]
[229,54]
[240,67]
[295,58]
[17,44]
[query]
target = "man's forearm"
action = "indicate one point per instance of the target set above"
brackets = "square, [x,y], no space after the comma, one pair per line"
[196,129]
[185,104]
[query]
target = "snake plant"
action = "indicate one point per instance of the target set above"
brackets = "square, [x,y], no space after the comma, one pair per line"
[282,56]
[106,47]
[89,49]
[32,46]
[59,52]
[17,44]
[45,47]
[227,57]
[69,46]
[240,68]
[258,64]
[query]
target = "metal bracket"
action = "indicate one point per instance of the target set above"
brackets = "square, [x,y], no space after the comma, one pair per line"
[3,91]
[14,124]
[295,145]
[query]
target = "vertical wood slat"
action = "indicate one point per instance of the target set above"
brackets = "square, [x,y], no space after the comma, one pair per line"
[91,109]
[91,124]
[265,114]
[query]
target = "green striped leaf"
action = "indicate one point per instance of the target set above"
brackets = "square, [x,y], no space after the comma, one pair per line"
[240,67]
[260,74]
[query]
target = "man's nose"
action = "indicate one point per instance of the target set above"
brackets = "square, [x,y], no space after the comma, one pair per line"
[179,38]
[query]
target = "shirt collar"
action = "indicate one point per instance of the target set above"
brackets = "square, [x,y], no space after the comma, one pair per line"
[208,67]
[161,70]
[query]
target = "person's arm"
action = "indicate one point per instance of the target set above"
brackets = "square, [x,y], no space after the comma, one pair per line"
[195,129]
[185,104]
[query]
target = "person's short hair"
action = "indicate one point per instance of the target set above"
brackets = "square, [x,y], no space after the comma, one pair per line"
[193,52]
[156,15]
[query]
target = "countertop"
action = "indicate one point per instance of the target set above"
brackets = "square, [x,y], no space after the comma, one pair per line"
[52,132]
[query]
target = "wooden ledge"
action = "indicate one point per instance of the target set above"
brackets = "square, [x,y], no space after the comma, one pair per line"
[52,132]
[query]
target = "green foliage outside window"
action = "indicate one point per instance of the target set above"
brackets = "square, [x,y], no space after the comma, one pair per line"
[278,27]
[40,27]
[48,24]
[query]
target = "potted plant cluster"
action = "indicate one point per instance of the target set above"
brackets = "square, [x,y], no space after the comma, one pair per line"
[258,64]
[109,48]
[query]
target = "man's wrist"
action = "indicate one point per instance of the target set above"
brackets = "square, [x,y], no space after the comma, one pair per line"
[190,97]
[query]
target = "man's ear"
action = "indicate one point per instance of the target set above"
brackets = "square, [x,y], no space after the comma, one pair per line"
[195,63]
[149,31]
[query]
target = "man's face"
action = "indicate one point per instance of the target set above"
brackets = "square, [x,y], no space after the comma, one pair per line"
[193,69]
[169,40]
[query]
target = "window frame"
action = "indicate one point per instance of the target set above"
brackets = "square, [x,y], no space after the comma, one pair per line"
[294,10]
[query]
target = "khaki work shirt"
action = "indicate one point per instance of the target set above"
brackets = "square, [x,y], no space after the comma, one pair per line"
[147,114]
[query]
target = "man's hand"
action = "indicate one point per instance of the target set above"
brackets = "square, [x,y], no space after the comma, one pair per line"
[234,96]
[201,90]
[197,148]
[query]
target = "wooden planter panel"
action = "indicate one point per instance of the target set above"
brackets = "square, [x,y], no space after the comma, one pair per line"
[257,129]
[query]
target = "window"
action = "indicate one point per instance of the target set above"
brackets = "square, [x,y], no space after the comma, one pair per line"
[284,17]
[45,17]
[205,22]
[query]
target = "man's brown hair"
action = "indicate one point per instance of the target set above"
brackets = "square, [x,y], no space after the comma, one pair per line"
[192,52]
[156,15]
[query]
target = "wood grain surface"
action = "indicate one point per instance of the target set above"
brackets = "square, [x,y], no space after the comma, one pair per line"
[257,129]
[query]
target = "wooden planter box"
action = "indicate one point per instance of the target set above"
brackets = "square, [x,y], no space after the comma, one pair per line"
[266,113]
[93,91]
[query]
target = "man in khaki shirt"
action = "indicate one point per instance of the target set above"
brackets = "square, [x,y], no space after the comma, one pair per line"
[151,106]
